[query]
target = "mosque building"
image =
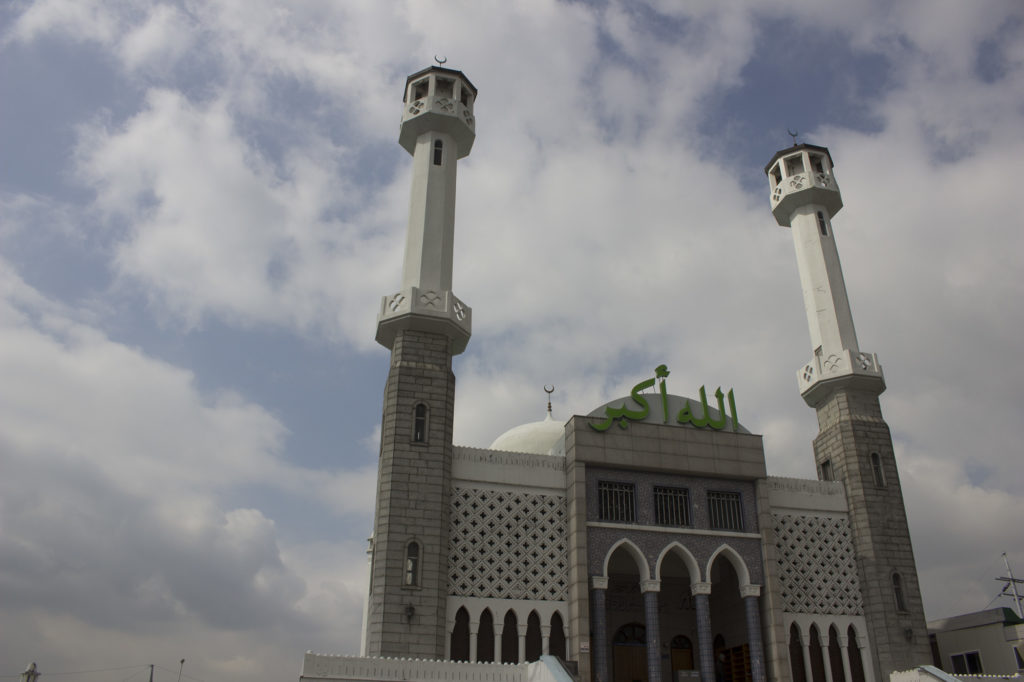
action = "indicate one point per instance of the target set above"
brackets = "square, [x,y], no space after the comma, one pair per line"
[644,540]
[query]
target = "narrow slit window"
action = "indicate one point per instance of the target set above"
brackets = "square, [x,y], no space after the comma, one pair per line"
[826,471]
[419,426]
[897,592]
[438,152]
[822,225]
[876,470]
[412,564]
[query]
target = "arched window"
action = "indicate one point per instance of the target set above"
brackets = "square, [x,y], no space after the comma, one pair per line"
[835,656]
[419,424]
[897,592]
[817,656]
[796,655]
[510,638]
[412,564]
[438,152]
[556,640]
[485,638]
[856,664]
[876,470]
[533,638]
[460,636]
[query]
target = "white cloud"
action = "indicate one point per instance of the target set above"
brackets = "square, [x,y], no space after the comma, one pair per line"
[596,238]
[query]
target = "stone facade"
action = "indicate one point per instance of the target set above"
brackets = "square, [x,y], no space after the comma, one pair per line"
[413,502]
[855,443]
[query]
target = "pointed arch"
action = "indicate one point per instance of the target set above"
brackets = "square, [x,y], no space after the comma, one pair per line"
[641,561]
[485,638]
[817,671]
[853,649]
[687,558]
[534,642]
[459,646]
[796,654]
[733,557]
[835,655]
[510,638]
[556,640]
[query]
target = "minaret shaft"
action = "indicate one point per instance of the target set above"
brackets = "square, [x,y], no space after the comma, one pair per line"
[854,444]
[430,240]
[821,276]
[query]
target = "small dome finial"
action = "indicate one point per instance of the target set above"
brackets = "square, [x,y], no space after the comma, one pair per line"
[549,389]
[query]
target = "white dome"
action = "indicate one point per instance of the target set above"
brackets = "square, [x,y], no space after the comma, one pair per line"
[538,438]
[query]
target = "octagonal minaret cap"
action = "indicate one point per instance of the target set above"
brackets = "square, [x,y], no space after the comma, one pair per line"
[440,100]
[801,176]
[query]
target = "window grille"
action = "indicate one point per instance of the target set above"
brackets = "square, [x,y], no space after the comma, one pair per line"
[616,501]
[671,506]
[724,511]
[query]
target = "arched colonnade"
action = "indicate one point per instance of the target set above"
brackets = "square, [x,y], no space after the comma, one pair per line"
[505,631]
[725,602]
[828,649]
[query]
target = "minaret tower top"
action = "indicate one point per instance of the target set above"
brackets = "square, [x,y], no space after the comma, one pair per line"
[805,197]
[438,129]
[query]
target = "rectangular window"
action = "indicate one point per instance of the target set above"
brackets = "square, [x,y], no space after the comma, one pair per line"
[725,511]
[968,663]
[826,471]
[671,506]
[616,501]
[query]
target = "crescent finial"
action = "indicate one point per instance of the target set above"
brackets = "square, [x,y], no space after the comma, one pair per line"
[793,134]
[440,62]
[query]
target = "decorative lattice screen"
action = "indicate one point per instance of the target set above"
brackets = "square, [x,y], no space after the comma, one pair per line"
[507,545]
[818,570]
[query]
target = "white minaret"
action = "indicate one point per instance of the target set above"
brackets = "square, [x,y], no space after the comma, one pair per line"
[438,128]
[854,444]
[423,325]
[805,196]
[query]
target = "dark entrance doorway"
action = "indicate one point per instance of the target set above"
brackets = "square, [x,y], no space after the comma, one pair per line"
[629,654]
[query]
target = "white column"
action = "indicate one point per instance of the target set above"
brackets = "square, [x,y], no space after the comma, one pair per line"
[844,642]
[826,660]
[474,627]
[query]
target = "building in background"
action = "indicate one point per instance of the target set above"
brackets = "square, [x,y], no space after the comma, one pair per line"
[643,540]
[983,643]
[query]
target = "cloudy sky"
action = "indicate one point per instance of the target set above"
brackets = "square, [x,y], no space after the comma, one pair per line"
[201,204]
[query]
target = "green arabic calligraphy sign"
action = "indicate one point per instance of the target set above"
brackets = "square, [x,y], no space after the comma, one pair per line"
[699,415]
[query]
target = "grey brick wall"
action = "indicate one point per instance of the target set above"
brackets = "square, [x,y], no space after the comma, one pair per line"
[413,501]
[851,428]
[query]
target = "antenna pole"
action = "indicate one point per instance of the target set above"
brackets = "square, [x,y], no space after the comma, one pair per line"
[1011,582]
